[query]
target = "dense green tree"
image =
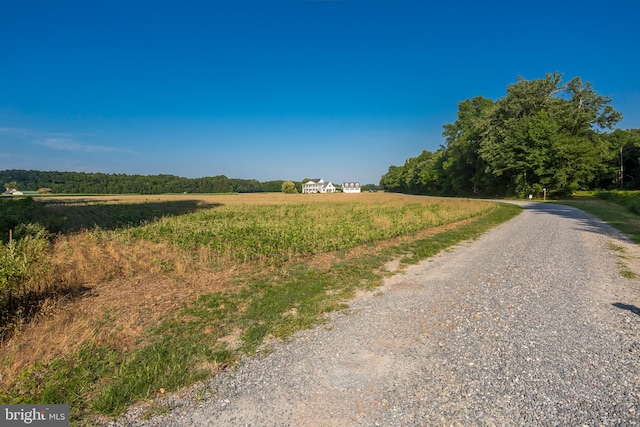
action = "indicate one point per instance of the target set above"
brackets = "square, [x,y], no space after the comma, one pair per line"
[289,187]
[547,134]
[422,175]
[392,180]
[11,184]
[543,134]
[369,187]
[272,186]
[462,168]
[622,169]
[418,175]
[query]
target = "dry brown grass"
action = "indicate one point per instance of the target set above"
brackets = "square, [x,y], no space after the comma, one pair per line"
[111,293]
[248,199]
[115,312]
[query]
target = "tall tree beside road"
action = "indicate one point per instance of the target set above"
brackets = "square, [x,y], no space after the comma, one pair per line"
[543,134]
[463,169]
[548,134]
[623,169]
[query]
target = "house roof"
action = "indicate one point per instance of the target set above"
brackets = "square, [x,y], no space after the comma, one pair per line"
[319,183]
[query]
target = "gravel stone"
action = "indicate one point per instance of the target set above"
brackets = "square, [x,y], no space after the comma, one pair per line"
[532,324]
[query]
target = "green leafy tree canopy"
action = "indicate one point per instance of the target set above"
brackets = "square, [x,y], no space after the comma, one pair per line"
[289,187]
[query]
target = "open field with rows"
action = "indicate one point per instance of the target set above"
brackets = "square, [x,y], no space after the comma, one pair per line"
[138,295]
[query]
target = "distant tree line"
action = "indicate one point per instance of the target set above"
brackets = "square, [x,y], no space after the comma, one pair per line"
[544,134]
[101,183]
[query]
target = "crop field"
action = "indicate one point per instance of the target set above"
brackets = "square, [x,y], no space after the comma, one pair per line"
[251,229]
[138,295]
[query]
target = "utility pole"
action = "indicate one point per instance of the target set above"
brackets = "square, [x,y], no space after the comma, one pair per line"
[621,167]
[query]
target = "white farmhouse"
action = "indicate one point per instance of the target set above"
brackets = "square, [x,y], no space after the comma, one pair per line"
[318,186]
[351,187]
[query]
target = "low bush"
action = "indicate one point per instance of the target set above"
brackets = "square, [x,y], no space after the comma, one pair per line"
[20,260]
[16,211]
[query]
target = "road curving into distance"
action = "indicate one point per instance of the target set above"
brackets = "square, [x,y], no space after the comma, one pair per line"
[531,324]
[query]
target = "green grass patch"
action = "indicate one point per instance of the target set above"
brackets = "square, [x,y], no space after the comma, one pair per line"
[628,199]
[624,268]
[612,211]
[628,274]
[218,329]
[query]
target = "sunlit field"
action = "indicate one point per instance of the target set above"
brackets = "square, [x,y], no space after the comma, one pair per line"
[140,293]
[279,228]
[111,237]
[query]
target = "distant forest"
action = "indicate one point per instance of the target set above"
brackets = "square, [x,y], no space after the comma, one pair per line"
[101,183]
[543,136]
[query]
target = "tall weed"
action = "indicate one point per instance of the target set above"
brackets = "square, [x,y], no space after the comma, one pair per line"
[22,259]
[17,211]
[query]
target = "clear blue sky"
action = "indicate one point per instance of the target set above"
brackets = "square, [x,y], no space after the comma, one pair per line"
[282,89]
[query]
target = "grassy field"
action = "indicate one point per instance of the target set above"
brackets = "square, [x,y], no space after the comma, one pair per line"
[139,296]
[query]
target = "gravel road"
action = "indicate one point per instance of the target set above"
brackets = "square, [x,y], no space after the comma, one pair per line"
[532,324]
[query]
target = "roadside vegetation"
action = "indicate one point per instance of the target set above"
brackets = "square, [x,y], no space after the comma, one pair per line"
[620,209]
[110,301]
